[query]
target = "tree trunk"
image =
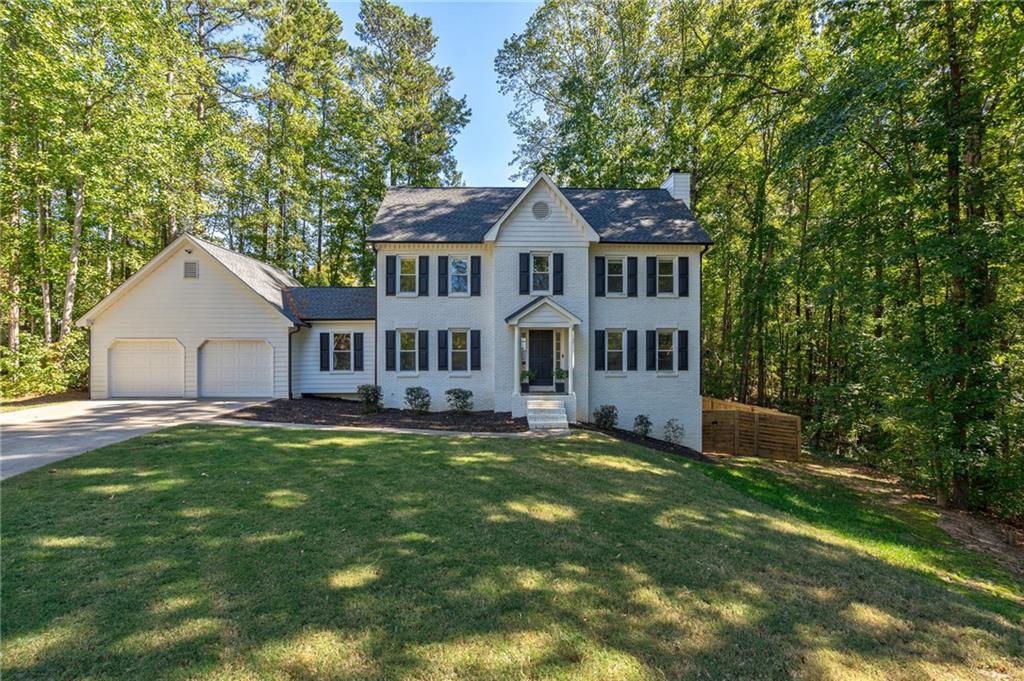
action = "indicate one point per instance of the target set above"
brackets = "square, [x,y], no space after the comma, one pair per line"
[42,238]
[76,242]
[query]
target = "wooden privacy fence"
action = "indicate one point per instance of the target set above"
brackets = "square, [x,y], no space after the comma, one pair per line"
[747,430]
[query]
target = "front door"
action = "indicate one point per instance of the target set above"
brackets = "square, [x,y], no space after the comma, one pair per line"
[542,357]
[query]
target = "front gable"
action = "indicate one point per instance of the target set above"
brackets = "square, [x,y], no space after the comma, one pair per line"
[541,216]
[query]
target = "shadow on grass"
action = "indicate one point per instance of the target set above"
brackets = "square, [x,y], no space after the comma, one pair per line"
[233,552]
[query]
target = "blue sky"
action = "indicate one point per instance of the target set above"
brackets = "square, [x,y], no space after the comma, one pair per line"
[469,36]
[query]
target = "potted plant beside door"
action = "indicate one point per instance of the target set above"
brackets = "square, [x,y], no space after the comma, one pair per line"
[560,376]
[525,376]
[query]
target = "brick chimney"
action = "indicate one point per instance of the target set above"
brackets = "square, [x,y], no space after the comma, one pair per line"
[678,185]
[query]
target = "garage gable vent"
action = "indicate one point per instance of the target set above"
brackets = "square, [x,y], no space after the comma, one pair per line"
[191,269]
[541,210]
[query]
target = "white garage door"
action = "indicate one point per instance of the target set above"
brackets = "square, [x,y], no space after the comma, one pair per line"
[236,368]
[147,368]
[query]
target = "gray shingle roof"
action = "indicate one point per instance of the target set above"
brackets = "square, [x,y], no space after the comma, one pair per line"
[335,302]
[268,281]
[464,214]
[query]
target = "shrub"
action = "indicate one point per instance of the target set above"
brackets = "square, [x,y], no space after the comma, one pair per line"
[674,431]
[606,416]
[40,369]
[642,425]
[372,397]
[460,399]
[418,399]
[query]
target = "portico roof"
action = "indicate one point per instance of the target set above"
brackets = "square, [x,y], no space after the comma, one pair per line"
[542,301]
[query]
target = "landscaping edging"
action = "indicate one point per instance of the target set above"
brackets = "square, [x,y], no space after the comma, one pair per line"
[649,442]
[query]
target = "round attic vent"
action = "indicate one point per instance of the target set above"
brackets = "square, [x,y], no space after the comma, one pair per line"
[541,210]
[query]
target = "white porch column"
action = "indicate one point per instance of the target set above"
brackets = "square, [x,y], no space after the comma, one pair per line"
[518,360]
[571,357]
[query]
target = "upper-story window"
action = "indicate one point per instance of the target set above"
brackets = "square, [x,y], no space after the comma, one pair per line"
[540,273]
[343,352]
[458,275]
[615,277]
[407,274]
[666,275]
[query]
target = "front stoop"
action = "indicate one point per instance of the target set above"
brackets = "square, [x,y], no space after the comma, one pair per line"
[546,413]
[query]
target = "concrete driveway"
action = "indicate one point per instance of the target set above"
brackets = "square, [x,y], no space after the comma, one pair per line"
[30,438]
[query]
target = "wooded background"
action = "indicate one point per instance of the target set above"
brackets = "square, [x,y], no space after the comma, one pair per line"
[859,166]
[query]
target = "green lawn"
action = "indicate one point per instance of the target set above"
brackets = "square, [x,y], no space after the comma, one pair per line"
[237,553]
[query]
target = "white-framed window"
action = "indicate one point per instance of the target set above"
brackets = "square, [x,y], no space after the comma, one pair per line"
[666,349]
[540,273]
[666,276]
[458,350]
[458,275]
[407,271]
[614,350]
[342,352]
[615,276]
[408,350]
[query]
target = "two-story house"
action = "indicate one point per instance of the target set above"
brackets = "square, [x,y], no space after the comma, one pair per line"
[544,301]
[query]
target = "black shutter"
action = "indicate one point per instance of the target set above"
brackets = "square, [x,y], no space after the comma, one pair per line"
[474,275]
[652,350]
[631,351]
[357,348]
[559,279]
[424,287]
[424,363]
[683,351]
[325,352]
[599,350]
[599,276]
[389,275]
[389,350]
[684,276]
[442,349]
[652,276]
[524,273]
[442,275]
[474,350]
[631,267]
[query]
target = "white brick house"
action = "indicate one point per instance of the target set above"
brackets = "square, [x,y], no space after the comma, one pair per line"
[549,297]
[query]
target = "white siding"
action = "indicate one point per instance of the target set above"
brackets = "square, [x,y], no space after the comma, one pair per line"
[165,305]
[434,312]
[659,396]
[306,375]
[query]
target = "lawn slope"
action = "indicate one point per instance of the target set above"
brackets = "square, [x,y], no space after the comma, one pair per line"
[237,553]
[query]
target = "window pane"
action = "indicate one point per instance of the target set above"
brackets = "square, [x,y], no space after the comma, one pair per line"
[407,361]
[343,361]
[614,283]
[615,361]
[540,263]
[408,265]
[407,340]
[459,362]
[615,267]
[459,275]
[459,340]
[666,276]
[407,275]
[614,340]
[540,282]
[342,341]
[665,350]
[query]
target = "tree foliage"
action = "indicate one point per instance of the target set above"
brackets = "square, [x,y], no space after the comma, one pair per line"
[858,166]
[124,123]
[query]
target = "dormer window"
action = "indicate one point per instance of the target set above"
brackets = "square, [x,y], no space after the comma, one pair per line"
[540,273]
[191,269]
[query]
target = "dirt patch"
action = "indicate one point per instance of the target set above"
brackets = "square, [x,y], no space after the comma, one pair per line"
[336,412]
[999,540]
[649,442]
[40,400]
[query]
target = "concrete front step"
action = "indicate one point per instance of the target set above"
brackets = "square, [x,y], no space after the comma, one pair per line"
[546,414]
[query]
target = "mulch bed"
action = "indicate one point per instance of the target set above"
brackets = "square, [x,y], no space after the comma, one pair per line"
[649,442]
[337,412]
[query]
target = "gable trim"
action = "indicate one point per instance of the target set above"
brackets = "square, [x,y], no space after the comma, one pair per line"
[588,232]
[155,263]
[536,303]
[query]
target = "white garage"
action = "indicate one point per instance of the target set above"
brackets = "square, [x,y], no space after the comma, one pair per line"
[236,368]
[146,368]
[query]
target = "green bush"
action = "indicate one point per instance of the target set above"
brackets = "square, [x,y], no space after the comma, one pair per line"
[372,397]
[460,399]
[40,369]
[606,416]
[418,399]
[642,425]
[674,432]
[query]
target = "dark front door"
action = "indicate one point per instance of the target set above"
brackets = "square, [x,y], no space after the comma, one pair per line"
[542,357]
